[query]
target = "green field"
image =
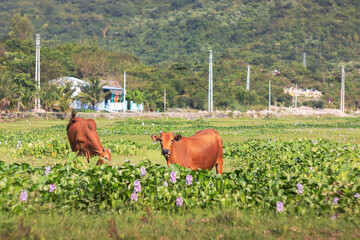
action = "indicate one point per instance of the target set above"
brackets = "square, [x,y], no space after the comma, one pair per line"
[265,160]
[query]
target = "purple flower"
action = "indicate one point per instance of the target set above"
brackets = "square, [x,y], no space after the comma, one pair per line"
[335,200]
[338,154]
[173,177]
[137,186]
[5,142]
[300,188]
[333,217]
[134,196]
[52,187]
[179,202]
[127,160]
[189,179]
[331,150]
[311,169]
[23,196]
[357,195]
[344,148]
[142,171]
[166,184]
[47,170]
[279,207]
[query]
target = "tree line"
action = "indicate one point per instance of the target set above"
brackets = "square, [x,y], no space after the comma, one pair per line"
[185,80]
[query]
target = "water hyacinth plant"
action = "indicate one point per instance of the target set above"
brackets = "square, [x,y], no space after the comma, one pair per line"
[142,171]
[52,187]
[173,177]
[134,197]
[279,207]
[179,202]
[23,196]
[110,188]
[189,179]
[137,186]
[47,170]
[300,189]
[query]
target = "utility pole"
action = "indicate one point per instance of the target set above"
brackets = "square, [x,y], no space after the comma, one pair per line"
[248,79]
[124,92]
[165,100]
[304,59]
[210,99]
[296,92]
[342,97]
[269,96]
[37,71]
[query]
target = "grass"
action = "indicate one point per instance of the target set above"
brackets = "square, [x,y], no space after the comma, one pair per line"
[201,224]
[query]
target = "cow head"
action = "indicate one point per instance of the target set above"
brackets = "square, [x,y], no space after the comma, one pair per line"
[104,155]
[166,139]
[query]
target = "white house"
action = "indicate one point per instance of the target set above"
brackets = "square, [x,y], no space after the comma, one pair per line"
[113,101]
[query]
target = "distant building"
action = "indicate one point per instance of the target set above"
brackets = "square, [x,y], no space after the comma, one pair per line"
[113,102]
[311,94]
[276,72]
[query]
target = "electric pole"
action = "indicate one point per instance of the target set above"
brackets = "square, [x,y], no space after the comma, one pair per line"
[248,79]
[124,92]
[269,96]
[342,97]
[210,97]
[37,71]
[165,100]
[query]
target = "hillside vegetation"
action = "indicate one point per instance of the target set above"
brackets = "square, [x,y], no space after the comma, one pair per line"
[165,44]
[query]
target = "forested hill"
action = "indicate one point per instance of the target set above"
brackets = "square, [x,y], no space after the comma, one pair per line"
[260,32]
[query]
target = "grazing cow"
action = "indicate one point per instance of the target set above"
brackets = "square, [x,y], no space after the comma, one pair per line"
[83,139]
[204,150]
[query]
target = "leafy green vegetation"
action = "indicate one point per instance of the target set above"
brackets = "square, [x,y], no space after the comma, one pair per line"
[274,185]
[307,176]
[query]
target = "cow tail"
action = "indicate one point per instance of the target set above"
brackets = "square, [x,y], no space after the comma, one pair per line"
[71,121]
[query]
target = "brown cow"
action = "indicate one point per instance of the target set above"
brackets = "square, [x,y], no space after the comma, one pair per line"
[83,139]
[204,150]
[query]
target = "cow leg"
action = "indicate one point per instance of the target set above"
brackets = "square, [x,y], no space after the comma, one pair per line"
[219,164]
[87,155]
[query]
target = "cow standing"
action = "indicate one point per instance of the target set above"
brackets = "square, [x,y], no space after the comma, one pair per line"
[83,139]
[204,150]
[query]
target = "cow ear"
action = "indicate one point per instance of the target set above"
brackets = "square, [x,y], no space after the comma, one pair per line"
[155,137]
[177,137]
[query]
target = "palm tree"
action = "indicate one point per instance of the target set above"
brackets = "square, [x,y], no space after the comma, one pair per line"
[5,93]
[64,93]
[27,101]
[93,92]
[47,97]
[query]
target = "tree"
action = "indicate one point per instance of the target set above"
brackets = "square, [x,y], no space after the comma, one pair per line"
[4,93]
[135,95]
[93,92]
[64,93]
[10,95]
[27,100]
[21,27]
[47,97]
